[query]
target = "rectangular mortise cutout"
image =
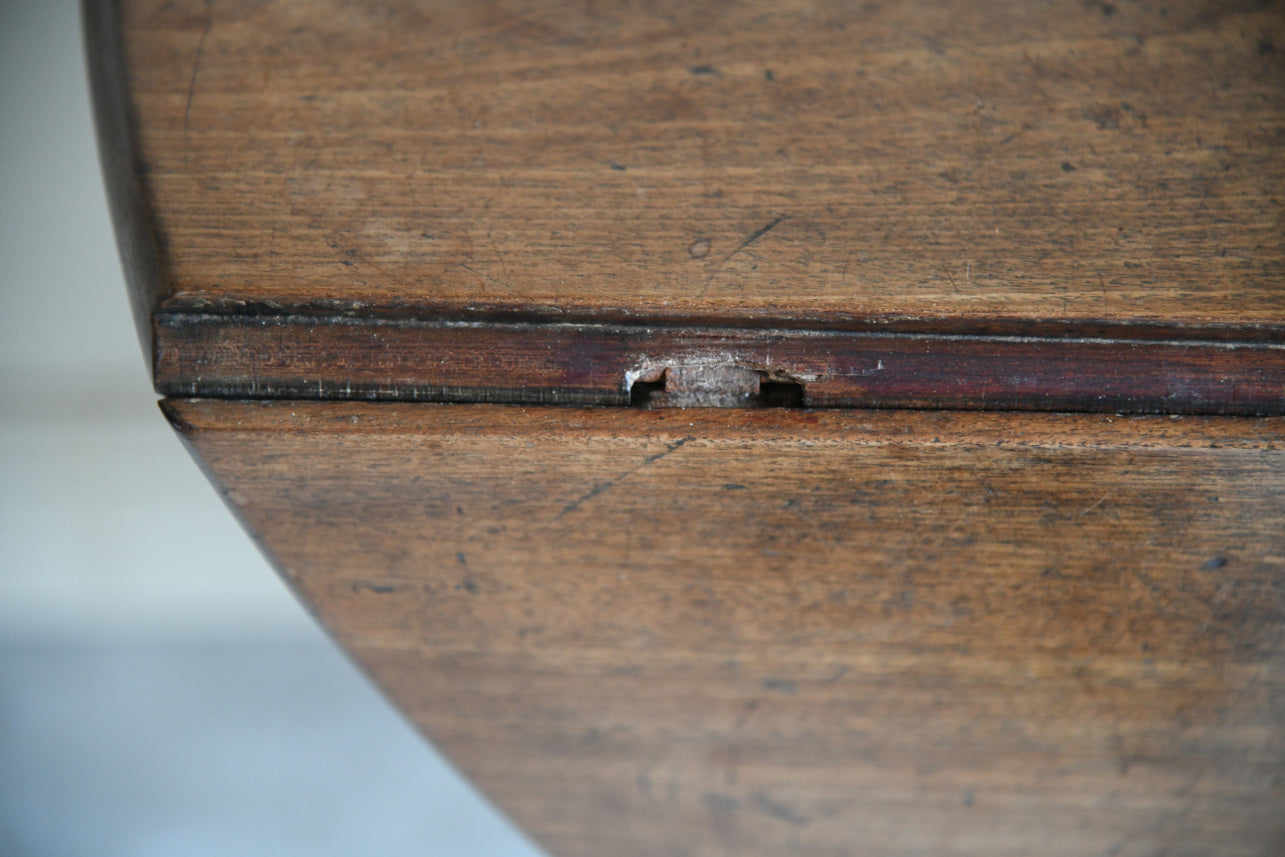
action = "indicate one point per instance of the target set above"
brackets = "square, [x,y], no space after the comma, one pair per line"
[714,387]
[779,394]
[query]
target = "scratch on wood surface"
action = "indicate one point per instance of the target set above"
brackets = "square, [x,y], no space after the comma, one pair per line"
[949,278]
[599,487]
[842,671]
[361,259]
[487,279]
[749,239]
[1094,506]
[756,235]
[778,810]
[196,66]
[1223,592]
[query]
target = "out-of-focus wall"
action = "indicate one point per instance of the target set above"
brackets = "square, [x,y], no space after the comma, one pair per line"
[106,527]
[160,691]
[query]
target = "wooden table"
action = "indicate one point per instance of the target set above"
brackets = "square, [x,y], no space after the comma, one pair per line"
[749,428]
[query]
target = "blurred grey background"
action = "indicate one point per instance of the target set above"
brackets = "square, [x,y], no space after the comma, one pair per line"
[161,693]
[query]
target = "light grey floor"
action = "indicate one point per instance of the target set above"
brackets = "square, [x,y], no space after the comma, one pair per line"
[160,691]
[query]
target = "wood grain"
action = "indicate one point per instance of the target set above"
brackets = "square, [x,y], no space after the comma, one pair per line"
[713,632]
[1062,169]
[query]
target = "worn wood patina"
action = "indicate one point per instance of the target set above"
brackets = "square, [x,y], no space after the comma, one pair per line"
[543,347]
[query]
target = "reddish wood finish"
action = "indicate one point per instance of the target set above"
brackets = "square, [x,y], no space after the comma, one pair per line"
[258,357]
